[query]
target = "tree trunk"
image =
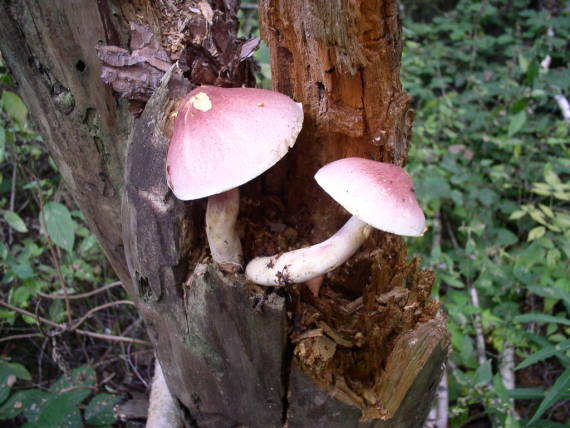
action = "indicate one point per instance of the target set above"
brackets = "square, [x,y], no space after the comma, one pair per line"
[367,352]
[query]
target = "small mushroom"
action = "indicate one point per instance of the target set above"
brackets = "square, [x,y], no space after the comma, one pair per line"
[379,195]
[223,138]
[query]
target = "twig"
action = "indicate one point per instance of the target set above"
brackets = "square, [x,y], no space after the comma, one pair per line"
[77,387]
[507,367]
[120,358]
[135,370]
[479,334]
[507,370]
[564,106]
[560,99]
[111,338]
[436,242]
[19,336]
[82,295]
[12,199]
[451,234]
[64,328]
[99,308]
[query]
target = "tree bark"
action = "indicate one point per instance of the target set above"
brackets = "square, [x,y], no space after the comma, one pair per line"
[367,352]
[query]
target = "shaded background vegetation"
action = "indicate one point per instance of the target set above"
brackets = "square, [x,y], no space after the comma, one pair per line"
[490,157]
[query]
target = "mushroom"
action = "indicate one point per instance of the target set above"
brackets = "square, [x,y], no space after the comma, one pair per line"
[223,138]
[379,195]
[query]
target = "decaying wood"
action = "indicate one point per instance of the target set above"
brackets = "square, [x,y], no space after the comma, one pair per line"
[342,61]
[371,345]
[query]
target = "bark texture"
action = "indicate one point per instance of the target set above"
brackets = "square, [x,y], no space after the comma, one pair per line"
[234,354]
[340,58]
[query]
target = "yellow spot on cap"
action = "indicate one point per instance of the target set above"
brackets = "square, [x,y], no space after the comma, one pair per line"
[201,101]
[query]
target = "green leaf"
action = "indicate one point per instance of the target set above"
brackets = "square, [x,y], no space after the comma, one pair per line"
[15,221]
[59,224]
[2,143]
[57,311]
[526,393]
[14,106]
[9,373]
[531,394]
[515,215]
[517,122]
[99,411]
[542,318]
[88,244]
[450,280]
[22,401]
[81,376]
[16,369]
[544,354]
[23,271]
[523,63]
[532,72]
[484,373]
[546,210]
[550,176]
[551,292]
[553,395]
[60,411]
[535,233]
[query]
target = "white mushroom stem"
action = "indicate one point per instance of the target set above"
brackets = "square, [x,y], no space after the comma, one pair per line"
[221,217]
[306,263]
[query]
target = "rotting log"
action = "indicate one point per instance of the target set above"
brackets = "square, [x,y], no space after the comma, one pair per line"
[372,345]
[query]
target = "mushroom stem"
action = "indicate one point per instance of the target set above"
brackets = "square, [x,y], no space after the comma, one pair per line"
[221,216]
[306,263]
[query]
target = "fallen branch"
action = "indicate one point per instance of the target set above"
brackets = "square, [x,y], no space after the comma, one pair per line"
[20,336]
[64,328]
[82,295]
[99,308]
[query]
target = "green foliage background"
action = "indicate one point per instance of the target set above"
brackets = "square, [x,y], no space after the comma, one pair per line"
[490,159]
[46,248]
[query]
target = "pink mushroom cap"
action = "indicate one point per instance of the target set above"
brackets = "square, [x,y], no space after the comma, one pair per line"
[225,137]
[380,194]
